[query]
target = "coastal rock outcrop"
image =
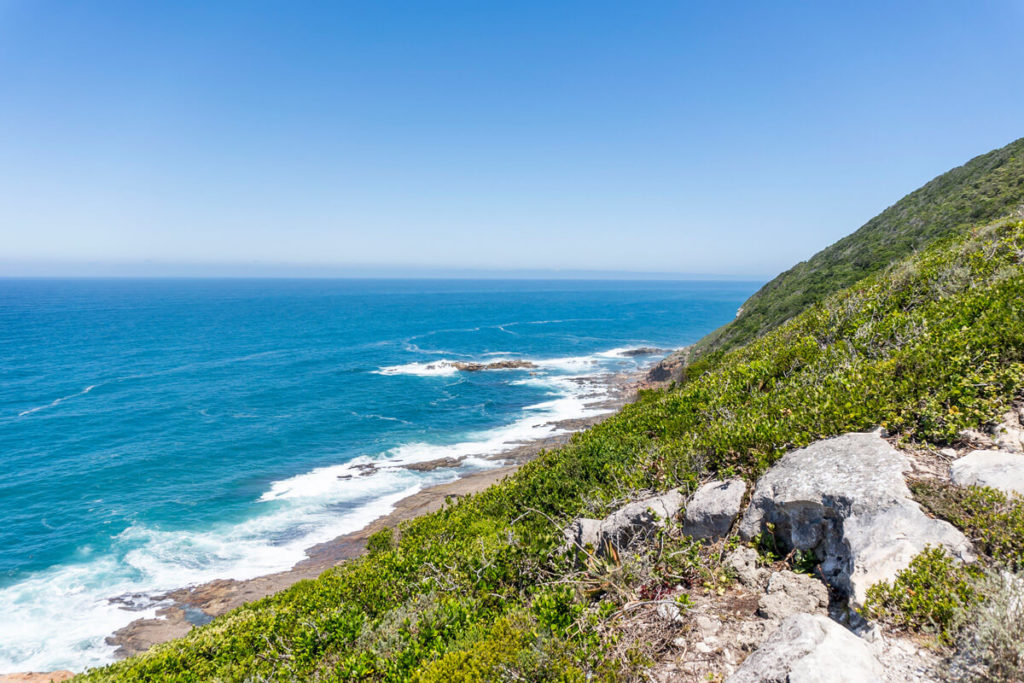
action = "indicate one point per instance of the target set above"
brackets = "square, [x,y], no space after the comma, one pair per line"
[642,351]
[496,365]
[627,525]
[713,509]
[846,500]
[997,469]
[810,648]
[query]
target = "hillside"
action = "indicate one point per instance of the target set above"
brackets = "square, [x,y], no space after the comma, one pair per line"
[986,187]
[927,348]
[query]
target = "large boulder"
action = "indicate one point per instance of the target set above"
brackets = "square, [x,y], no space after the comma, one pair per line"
[845,499]
[627,525]
[810,648]
[713,509]
[998,469]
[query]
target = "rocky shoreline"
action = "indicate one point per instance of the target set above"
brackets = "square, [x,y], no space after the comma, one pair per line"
[197,605]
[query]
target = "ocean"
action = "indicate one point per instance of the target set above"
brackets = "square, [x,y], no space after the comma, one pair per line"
[161,433]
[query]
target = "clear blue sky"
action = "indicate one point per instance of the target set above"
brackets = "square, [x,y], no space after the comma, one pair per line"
[334,137]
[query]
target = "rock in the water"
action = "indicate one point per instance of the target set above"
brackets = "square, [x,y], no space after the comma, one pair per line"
[625,526]
[845,499]
[998,469]
[810,648]
[713,509]
[790,593]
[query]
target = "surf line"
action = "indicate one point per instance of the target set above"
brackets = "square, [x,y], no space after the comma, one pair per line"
[58,401]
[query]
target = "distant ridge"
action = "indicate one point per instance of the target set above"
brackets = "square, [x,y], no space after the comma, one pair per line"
[986,187]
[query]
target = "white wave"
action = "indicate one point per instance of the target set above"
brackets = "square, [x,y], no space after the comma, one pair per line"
[59,618]
[438,368]
[296,513]
[446,367]
[58,401]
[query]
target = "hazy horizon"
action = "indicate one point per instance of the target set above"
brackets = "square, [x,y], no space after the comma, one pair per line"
[663,138]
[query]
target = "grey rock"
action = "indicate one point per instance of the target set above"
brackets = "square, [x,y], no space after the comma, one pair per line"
[1009,434]
[998,469]
[641,519]
[713,509]
[845,499]
[743,563]
[627,525]
[808,648]
[973,437]
[582,533]
[789,593]
[947,452]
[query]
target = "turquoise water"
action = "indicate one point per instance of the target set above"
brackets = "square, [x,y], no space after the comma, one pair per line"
[156,433]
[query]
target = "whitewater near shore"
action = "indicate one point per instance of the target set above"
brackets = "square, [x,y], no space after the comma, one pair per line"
[198,432]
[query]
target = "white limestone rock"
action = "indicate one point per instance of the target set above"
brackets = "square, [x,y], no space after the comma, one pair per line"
[845,498]
[998,469]
[713,509]
[743,563]
[810,648]
[625,526]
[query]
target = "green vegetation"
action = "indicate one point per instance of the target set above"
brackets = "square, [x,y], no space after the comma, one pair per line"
[992,520]
[987,187]
[973,611]
[932,595]
[476,591]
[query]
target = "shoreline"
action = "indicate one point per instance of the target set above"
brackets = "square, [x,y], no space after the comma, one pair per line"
[197,605]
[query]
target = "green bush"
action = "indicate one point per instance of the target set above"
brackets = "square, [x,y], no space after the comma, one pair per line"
[993,520]
[933,595]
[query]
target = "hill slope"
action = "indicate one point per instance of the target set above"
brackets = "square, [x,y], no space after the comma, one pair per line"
[986,187]
[926,348]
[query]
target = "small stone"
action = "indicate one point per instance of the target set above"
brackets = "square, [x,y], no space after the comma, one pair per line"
[743,563]
[948,452]
[790,593]
[670,611]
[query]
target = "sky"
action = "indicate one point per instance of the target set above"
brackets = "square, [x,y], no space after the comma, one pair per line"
[685,139]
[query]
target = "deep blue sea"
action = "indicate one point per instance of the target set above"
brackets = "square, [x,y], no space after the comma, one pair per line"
[158,433]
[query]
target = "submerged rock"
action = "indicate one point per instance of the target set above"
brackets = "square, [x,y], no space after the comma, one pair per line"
[810,648]
[713,509]
[845,499]
[997,469]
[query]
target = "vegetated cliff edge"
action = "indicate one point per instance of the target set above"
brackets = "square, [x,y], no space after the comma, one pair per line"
[927,348]
[986,187]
